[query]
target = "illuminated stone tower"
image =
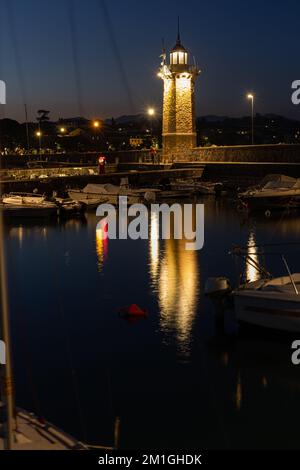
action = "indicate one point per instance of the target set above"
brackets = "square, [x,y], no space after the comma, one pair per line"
[179,126]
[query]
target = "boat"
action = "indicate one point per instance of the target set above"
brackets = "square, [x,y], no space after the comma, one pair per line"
[266,301]
[27,205]
[94,194]
[274,192]
[270,303]
[68,206]
[33,433]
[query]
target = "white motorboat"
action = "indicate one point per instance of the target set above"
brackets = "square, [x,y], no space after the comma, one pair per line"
[27,205]
[273,303]
[264,301]
[94,194]
[23,198]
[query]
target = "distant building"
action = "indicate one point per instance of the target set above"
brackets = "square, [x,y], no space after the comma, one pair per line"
[136,141]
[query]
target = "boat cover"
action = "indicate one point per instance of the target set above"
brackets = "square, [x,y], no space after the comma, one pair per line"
[101,189]
[280,181]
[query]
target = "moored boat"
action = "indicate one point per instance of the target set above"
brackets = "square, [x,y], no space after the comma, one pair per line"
[94,194]
[274,192]
[68,207]
[265,301]
[27,205]
[273,303]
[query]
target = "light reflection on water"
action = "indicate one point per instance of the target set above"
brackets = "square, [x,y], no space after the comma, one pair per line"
[101,248]
[177,290]
[175,280]
[252,274]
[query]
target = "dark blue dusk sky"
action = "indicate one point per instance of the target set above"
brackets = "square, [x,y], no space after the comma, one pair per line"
[240,46]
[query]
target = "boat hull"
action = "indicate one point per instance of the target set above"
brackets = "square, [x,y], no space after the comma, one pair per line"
[11,210]
[268,310]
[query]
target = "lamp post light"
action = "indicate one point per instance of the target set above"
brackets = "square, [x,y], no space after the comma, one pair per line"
[151,113]
[39,135]
[250,96]
[62,130]
[96,125]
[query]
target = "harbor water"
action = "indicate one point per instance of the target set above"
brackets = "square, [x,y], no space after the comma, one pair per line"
[169,379]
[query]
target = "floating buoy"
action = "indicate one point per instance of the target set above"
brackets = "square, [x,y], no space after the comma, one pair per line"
[268,213]
[133,311]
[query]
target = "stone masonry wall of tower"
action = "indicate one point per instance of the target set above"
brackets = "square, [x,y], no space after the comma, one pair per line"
[179,127]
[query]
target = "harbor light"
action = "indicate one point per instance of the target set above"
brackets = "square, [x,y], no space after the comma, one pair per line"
[96,124]
[151,111]
[38,134]
[62,130]
[250,96]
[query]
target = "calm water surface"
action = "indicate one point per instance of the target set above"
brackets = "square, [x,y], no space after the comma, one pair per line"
[173,386]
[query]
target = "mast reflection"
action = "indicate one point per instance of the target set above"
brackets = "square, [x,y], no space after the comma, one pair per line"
[101,248]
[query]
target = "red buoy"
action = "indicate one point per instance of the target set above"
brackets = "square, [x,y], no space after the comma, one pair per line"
[133,311]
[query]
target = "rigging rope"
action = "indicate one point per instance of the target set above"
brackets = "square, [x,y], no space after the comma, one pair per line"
[75,56]
[118,57]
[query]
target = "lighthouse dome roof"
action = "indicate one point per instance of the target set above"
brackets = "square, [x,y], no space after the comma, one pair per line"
[178,47]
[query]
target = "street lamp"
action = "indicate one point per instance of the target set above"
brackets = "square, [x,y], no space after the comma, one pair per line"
[250,96]
[62,130]
[96,125]
[39,135]
[151,113]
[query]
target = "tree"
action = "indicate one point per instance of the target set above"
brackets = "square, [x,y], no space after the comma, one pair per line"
[43,116]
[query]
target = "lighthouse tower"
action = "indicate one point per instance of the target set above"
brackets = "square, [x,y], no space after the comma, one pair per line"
[179,127]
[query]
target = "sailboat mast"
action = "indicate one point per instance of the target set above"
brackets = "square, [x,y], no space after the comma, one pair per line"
[6,379]
[27,128]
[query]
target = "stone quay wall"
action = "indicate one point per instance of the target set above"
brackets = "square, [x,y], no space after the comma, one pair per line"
[286,153]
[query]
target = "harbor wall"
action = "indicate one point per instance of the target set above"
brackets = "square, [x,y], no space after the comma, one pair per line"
[285,153]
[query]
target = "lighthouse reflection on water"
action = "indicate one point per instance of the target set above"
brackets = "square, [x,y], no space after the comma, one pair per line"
[175,279]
